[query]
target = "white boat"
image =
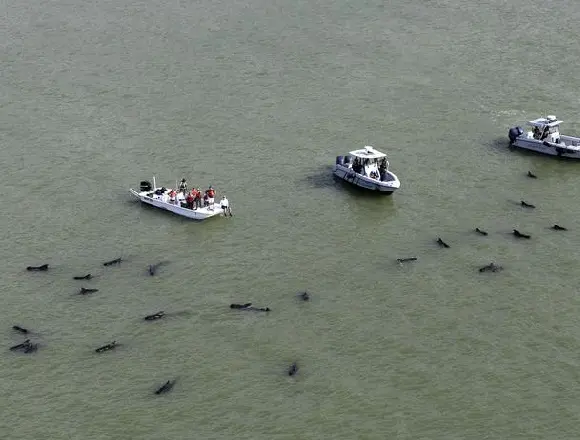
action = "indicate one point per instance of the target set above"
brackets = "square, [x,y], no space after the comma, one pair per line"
[175,201]
[543,136]
[367,168]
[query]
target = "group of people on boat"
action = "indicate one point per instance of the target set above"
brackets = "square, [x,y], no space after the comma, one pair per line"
[194,197]
[541,134]
[359,166]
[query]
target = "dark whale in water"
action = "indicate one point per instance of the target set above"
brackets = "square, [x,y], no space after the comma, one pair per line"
[240,306]
[20,329]
[491,267]
[405,260]
[527,205]
[293,369]
[167,386]
[20,346]
[153,267]
[248,306]
[559,228]
[520,235]
[42,268]
[26,347]
[532,175]
[154,316]
[84,291]
[479,231]
[84,277]
[304,296]
[31,348]
[111,262]
[442,243]
[107,347]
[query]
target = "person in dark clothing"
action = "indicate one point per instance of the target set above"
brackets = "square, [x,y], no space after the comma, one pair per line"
[183,186]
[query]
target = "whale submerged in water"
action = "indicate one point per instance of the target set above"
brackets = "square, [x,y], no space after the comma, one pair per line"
[20,329]
[521,235]
[166,387]
[491,267]
[111,262]
[25,347]
[248,306]
[155,316]
[42,268]
[293,369]
[442,243]
[107,347]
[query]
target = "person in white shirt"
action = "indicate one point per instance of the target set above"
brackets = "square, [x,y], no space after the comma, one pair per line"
[225,205]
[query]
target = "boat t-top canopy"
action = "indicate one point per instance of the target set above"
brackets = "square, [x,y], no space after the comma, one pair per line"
[548,121]
[367,152]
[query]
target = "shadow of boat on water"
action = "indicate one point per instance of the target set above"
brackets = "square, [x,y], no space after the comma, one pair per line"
[358,192]
[322,178]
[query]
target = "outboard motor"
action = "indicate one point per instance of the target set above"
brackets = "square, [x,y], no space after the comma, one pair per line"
[514,133]
[340,160]
[145,185]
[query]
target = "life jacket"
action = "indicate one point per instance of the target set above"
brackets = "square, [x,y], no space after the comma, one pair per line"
[189,198]
[211,193]
[172,194]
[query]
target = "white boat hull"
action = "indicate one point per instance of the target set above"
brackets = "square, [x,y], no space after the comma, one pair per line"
[551,144]
[386,187]
[550,149]
[149,198]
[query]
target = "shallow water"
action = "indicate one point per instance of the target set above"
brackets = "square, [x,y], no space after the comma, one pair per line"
[257,98]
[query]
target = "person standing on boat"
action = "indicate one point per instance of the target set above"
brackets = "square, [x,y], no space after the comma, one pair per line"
[189,199]
[183,186]
[210,197]
[197,198]
[172,195]
[225,205]
[382,168]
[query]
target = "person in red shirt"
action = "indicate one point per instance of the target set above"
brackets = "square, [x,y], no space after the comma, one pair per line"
[189,200]
[197,198]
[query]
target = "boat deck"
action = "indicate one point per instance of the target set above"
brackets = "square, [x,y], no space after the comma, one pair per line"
[162,201]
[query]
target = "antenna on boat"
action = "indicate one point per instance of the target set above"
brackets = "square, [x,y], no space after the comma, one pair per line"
[154,186]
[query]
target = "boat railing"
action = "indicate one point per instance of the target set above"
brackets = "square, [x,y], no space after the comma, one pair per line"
[570,140]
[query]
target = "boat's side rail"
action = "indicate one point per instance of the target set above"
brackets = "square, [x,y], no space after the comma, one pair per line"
[570,140]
